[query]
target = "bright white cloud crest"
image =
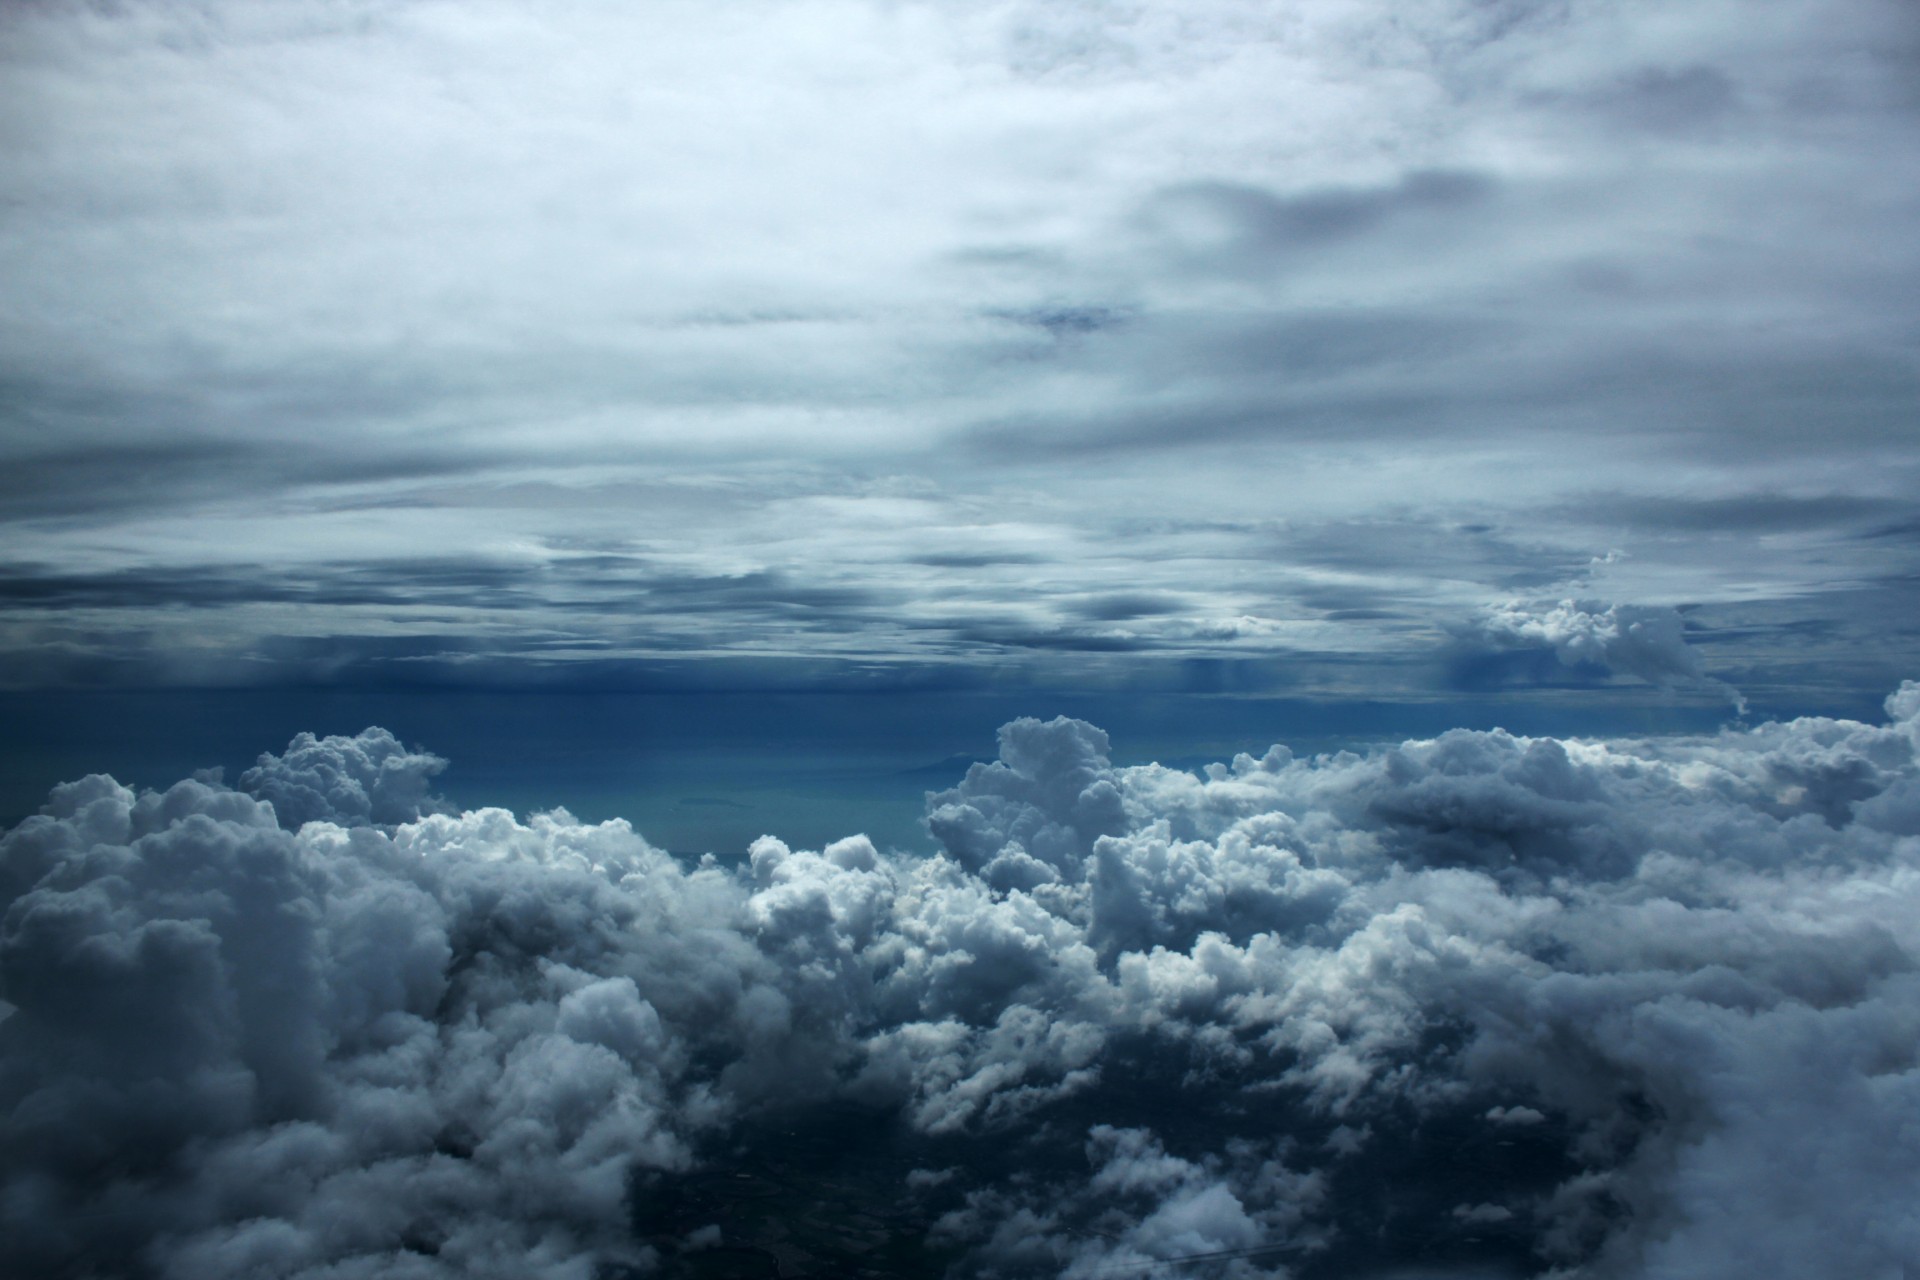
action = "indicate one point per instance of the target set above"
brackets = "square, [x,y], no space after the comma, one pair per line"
[1678,974]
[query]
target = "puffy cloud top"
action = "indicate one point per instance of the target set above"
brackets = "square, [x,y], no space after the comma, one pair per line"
[1638,640]
[368,778]
[1511,1004]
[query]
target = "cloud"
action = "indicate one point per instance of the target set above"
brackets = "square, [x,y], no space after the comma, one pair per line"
[779,314]
[1483,1001]
[1221,225]
[1637,640]
[350,782]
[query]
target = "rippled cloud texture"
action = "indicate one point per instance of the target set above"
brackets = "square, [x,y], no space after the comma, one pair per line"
[1611,1008]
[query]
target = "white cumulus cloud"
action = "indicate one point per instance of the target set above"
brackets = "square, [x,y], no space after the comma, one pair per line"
[1595,1007]
[1644,641]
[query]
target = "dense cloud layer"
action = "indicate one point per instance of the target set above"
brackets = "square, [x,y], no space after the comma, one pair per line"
[510,342]
[1481,1004]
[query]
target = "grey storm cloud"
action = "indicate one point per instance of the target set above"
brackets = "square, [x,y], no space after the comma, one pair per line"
[1482,1001]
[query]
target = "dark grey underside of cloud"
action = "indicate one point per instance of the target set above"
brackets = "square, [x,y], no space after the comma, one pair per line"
[1479,1004]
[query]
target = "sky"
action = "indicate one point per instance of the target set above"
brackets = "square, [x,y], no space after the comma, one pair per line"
[1222,347]
[989,641]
